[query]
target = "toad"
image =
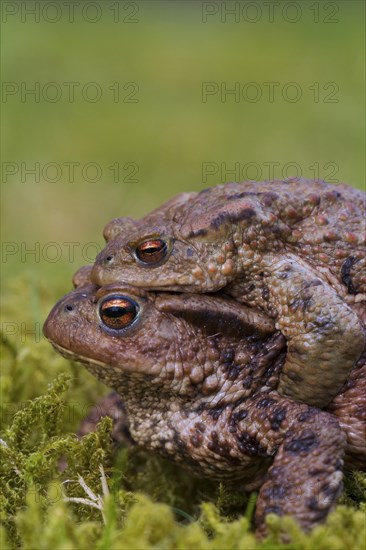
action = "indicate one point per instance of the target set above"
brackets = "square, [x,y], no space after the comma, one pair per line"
[293,249]
[199,379]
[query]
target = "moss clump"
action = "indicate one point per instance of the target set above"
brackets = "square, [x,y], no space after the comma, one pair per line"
[35,514]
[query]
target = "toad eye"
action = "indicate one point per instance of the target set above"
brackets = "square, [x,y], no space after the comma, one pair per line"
[118,312]
[152,251]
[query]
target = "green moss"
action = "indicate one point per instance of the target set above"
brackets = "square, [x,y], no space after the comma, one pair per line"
[151,503]
[195,515]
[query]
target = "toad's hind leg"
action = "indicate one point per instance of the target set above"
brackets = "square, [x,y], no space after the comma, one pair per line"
[324,336]
[305,479]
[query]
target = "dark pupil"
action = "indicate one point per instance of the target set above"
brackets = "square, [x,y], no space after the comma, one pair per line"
[151,251]
[117,311]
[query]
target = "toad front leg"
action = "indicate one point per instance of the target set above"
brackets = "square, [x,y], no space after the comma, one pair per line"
[324,336]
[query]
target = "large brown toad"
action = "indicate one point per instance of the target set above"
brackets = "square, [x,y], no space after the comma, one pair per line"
[294,249]
[199,379]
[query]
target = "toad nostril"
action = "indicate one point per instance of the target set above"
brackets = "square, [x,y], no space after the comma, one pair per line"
[69,307]
[109,258]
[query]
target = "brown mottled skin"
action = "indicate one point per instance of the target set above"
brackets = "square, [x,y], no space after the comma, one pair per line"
[199,378]
[293,249]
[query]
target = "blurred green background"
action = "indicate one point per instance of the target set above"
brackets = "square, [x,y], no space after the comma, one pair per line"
[136,96]
[297,69]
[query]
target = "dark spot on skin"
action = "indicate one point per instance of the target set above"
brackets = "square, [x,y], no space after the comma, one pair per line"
[277,418]
[250,445]
[222,218]
[306,299]
[229,355]
[302,303]
[332,195]
[294,306]
[324,323]
[314,282]
[229,367]
[268,198]
[215,413]
[251,287]
[180,445]
[313,505]
[202,407]
[222,448]
[305,416]
[197,233]
[200,427]
[248,382]
[232,372]
[265,293]
[232,217]
[275,492]
[214,436]
[240,415]
[235,196]
[190,252]
[197,440]
[280,230]
[240,402]
[338,465]
[304,443]
[245,214]
[265,402]
[317,471]
[346,274]
[274,359]
[261,274]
